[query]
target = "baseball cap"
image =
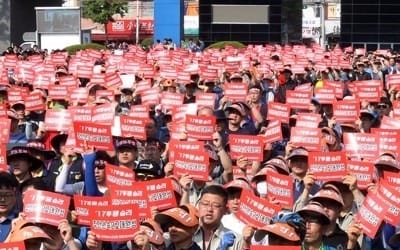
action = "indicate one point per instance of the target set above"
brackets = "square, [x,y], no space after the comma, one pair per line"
[238,108]
[299,151]
[314,210]
[387,160]
[126,143]
[149,166]
[329,193]
[185,215]
[280,229]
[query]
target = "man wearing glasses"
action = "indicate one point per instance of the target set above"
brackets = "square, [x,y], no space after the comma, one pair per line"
[212,235]
[8,201]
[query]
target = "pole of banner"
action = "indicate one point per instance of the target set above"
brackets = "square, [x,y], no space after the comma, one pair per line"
[322,14]
[137,22]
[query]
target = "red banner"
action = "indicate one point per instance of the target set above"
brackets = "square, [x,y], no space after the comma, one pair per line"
[236,92]
[298,100]
[34,102]
[308,120]
[371,214]
[200,127]
[17,245]
[389,140]
[45,207]
[104,114]
[255,211]
[361,145]
[250,146]
[391,197]
[4,130]
[327,166]
[194,164]
[278,111]
[58,120]
[392,178]
[85,203]
[310,138]
[133,127]
[118,223]
[136,195]
[174,146]
[160,193]
[128,26]
[206,99]
[280,187]
[81,113]
[58,92]
[325,95]
[171,100]
[273,132]
[346,111]
[119,176]
[139,111]
[364,172]
[96,135]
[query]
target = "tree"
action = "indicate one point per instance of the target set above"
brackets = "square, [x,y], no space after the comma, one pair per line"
[102,11]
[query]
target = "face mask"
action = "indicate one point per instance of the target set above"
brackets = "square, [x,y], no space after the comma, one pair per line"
[261,188]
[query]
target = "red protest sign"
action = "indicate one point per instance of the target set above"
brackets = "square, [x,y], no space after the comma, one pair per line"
[45,207]
[337,86]
[17,245]
[273,132]
[4,130]
[136,195]
[200,127]
[3,111]
[236,92]
[250,146]
[389,139]
[85,203]
[310,138]
[160,193]
[325,95]
[390,123]
[363,170]
[174,146]
[396,109]
[57,92]
[170,100]
[3,157]
[120,176]
[346,111]
[361,145]
[92,134]
[193,164]
[280,187]
[58,120]
[139,111]
[278,111]
[308,120]
[84,71]
[104,114]
[391,197]
[34,102]
[112,80]
[79,95]
[133,127]
[327,166]
[255,211]
[206,99]
[392,178]
[371,214]
[81,113]
[298,99]
[118,223]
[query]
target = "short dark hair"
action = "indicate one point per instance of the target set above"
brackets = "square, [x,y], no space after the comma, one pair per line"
[8,180]
[36,183]
[216,190]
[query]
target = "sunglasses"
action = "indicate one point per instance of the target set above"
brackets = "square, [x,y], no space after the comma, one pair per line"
[144,177]
[382,106]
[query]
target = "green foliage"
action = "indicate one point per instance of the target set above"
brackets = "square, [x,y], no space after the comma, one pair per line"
[102,11]
[147,42]
[74,48]
[223,44]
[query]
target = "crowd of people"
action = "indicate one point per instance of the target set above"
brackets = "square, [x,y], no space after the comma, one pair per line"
[200,116]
